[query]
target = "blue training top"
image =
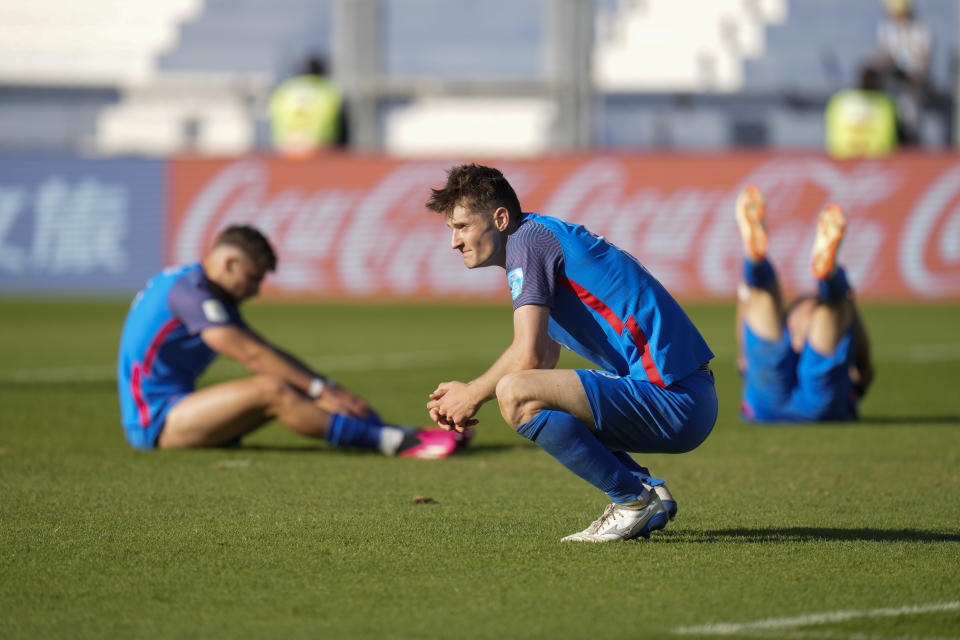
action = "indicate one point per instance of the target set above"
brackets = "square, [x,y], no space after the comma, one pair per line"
[161,351]
[604,305]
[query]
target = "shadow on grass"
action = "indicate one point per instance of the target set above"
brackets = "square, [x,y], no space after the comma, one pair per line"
[809,534]
[865,421]
[324,448]
[900,421]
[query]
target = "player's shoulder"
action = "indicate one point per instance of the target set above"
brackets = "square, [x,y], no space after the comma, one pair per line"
[534,230]
[191,287]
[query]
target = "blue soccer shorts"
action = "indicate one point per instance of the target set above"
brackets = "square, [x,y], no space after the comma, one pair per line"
[638,416]
[781,385]
[157,407]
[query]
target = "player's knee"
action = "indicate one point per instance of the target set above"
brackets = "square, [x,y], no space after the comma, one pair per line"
[511,399]
[273,389]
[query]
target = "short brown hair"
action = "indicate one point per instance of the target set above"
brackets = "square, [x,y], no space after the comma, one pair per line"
[253,243]
[478,188]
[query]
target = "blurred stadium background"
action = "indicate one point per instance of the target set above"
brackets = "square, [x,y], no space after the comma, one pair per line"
[131,131]
[128,130]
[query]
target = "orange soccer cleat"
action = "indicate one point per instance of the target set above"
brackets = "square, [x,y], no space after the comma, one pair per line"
[750,210]
[830,229]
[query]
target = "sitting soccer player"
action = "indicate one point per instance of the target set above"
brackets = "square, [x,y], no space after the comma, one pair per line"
[811,362]
[185,317]
[654,392]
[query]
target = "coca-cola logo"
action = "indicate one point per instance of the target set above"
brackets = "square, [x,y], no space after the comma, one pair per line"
[660,227]
[373,236]
[929,253]
[364,241]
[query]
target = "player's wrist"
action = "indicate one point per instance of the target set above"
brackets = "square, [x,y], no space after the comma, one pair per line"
[318,385]
[477,394]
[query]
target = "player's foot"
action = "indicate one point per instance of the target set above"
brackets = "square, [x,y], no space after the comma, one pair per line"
[659,520]
[830,229]
[621,522]
[751,210]
[427,444]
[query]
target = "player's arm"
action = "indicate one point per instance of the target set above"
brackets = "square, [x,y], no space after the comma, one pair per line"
[453,404]
[259,356]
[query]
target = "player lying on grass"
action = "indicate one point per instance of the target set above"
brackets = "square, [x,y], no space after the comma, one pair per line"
[812,362]
[654,392]
[185,317]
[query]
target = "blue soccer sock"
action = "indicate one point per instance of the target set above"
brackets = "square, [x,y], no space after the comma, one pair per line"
[637,469]
[834,287]
[759,273]
[345,431]
[574,446]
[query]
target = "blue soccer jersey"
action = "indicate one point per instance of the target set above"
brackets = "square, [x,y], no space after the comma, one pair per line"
[161,352]
[604,305]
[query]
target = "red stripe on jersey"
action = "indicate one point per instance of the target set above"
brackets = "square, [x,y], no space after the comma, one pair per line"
[593,302]
[140,372]
[158,339]
[136,390]
[646,358]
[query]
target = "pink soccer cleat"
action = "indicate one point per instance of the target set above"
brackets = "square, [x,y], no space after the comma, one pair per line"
[429,444]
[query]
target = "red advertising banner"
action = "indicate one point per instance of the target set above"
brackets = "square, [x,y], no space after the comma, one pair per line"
[355,226]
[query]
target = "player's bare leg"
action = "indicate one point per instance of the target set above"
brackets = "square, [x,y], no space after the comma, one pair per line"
[760,307]
[831,317]
[525,397]
[224,412]
[524,394]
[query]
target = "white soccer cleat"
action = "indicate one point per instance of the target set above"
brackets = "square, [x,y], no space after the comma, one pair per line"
[659,520]
[621,522]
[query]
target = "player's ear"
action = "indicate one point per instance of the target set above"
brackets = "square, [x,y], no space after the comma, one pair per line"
[501,218]
[231,262]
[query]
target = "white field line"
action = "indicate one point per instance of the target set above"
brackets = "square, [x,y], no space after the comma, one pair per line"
[758,627]
[327,364]
[943,352]
[832,635]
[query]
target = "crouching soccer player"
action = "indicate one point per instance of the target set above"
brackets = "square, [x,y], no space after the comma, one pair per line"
[811,363]
[654,392]
[185,317]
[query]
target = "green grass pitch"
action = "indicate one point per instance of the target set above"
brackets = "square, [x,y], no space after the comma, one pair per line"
[827,531]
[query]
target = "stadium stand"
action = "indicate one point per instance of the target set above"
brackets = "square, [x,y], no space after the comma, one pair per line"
[111,77]
[250,37]
[95,42]
[655,46]
[774,95]
[63,62]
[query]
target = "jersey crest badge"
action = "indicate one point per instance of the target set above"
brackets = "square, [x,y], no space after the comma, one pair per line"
[214,311]
[515,280]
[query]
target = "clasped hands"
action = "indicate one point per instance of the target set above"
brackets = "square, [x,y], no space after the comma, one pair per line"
[452,406]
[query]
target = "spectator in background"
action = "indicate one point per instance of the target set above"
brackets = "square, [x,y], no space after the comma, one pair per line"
[812,362]
[185,317]
[861,123]
[307,112]
[903,60]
